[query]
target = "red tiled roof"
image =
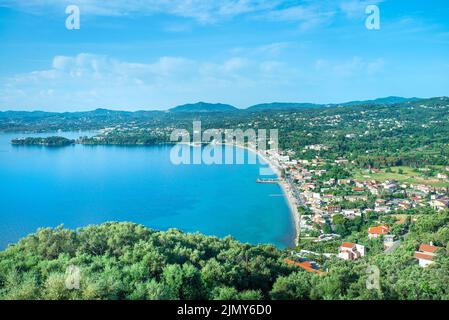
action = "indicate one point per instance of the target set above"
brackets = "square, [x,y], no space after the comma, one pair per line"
[427,248]
[423,256]
[379,230]
[306,265]
[349,245]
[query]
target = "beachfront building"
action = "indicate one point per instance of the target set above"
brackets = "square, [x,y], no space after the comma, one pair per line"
[351,251]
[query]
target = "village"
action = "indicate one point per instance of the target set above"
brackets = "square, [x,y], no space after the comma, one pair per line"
[323,201]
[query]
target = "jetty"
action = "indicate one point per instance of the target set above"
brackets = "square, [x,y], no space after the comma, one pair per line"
[268,181]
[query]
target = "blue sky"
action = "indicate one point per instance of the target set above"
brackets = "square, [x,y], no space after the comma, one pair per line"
[157,54]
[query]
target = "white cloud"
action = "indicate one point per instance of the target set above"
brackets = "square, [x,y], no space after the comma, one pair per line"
[305,12]
[204,11]
[356,66]
[356,8]
[87,80]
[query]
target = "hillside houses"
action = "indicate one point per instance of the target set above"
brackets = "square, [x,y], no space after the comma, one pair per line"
[377,231]
[440,203]
[351,251]
[425,254]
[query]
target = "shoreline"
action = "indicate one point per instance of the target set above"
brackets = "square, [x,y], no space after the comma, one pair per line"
[285,187]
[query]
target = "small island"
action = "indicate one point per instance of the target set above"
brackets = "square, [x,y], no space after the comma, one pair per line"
[47,142]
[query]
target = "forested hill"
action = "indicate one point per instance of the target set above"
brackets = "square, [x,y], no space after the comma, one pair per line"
[202,107]
[128,261]
[38,121]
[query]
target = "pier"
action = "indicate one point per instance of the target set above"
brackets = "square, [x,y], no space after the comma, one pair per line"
[268,181]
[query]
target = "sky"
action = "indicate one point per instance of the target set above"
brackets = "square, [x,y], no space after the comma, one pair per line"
[157,54]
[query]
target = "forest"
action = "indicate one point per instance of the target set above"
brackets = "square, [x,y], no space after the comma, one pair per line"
[129,261]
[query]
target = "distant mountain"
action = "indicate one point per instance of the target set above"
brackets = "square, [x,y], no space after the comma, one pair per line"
[387,100]
[25,114]
[291,106]
[202,107]
[283,106]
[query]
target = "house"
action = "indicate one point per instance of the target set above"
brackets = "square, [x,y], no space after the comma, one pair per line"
[318,219]
[440,204]
[351,251]
[344,182]
[404,205]
[425,254]
[333,208]
[341,161]
[376,232]
[352,213]
[390,186]
[441,176]
[309,266]
[356,198]
[382,209]
[374,190]
[389,241]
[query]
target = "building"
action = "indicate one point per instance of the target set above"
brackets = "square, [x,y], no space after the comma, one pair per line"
[352,213]
[351,251]
[389,241]
[356,198]
[309,266]
[441,176]
[425,254]
[376,232]
[440,204]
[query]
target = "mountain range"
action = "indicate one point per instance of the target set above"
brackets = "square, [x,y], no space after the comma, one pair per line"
[204,107]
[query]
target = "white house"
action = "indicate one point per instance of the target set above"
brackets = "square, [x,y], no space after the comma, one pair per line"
[376,232]
[425,254]
[351,251]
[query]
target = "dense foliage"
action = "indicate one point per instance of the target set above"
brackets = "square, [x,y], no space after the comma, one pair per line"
[128,261]
[49,141]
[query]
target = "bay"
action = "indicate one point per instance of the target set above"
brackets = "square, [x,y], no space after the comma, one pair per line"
[82,185]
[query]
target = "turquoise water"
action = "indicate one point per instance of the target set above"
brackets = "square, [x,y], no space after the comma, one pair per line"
[81,185]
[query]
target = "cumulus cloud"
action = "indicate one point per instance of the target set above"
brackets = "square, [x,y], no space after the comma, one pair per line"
[90,80]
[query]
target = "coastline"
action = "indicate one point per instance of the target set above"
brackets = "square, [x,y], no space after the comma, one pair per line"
[286,190]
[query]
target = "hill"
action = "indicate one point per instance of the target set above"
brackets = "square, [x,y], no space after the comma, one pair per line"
[381,101]
[282,106]
[202,107]
[129,261]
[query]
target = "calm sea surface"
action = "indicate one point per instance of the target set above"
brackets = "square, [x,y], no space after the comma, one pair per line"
[81,185]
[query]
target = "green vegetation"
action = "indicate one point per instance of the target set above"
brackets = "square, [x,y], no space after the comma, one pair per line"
[128,261]
[405,140]
[404,175]
[387,133]
[48,142]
